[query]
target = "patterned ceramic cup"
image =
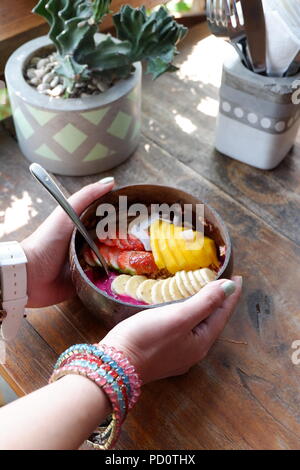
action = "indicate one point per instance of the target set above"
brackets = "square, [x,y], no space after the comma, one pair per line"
[73,137]
[258,118]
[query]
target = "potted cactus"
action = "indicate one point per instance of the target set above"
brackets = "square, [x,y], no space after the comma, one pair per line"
[76,94]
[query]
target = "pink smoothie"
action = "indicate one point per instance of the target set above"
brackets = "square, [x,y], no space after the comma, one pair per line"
[103,283]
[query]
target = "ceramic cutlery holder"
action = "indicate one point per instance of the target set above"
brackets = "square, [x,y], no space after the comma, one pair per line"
[258,121]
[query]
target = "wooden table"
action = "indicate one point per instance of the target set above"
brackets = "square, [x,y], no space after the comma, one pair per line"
[242,396]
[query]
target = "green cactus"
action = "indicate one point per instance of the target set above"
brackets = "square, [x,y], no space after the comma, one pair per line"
[74,23]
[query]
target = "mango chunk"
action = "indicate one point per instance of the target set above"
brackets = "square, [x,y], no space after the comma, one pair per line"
[175,248]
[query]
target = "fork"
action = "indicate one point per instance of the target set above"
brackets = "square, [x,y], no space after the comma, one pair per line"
[226,24]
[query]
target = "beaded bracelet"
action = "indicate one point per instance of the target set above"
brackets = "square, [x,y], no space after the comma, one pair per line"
[111,371]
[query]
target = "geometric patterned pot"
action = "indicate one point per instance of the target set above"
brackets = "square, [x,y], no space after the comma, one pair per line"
[74,137]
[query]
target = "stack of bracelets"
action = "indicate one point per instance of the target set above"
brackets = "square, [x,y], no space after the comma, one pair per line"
[111,371]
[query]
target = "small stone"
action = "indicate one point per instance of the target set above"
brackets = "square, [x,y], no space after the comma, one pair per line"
[49,67]
[91,87]
[35,81]
[43,87]
[57,91]
[54,82]
[79,85]
[30,73]
[35,60]
[40,73]
[42,63]
[81,24]
[91,21]
[101,86]
[48,77]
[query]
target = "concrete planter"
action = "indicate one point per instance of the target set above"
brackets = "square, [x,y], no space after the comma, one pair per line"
[74,137]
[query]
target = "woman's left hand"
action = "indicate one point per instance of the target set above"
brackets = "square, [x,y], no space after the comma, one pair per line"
[48,272]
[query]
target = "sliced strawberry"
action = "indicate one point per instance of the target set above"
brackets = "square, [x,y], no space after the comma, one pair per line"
[134,243]
[129,243]
[137,262]
[110,254]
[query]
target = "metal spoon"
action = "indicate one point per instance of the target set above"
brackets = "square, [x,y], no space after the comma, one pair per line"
[44,178]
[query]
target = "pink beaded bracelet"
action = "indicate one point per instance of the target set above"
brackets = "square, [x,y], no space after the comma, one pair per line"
[111,370]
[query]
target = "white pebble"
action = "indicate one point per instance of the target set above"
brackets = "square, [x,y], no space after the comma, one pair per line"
[30,73]
[40,73]
[35,81]
[35,60]
[42,63]
[42,87]
[54,82]
[102,86]
[57,91]
[48,77]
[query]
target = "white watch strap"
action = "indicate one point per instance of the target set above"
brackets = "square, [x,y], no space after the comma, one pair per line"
[13,281]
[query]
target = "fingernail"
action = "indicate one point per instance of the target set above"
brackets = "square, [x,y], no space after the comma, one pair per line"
[228,287]
[238,280]
[107,180]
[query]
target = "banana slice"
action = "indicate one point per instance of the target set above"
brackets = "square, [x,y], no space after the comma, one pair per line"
[166,291]
[132,285]
[197,275]
[144,291]
[181,287]
[119,283]
[208,275]
[174,290]
[187,283]
[194,281]
[157,296]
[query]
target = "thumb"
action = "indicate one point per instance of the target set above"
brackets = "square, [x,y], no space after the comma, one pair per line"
[83,198]
[194,310]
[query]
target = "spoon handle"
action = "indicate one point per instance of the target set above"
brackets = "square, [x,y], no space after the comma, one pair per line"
[45,179]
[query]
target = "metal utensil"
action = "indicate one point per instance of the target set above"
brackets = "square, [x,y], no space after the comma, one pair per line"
[255,28]
[44,178]
[294,66]
[219,21]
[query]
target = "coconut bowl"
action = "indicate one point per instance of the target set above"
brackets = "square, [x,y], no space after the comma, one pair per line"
[107,309]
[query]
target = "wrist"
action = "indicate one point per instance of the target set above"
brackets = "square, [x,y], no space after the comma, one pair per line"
[94,400]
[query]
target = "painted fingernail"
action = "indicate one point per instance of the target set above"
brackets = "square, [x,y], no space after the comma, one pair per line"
[238,280]
[228,287]
[107,180]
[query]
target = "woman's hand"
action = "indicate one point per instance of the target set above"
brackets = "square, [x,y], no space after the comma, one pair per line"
[167,341]
[48,272]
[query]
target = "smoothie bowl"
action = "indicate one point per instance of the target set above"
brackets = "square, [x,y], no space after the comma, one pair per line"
[162,245]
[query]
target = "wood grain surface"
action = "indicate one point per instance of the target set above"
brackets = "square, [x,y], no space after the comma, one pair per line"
[245,394]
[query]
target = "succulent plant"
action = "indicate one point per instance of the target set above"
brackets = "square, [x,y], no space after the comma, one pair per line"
[141,36]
